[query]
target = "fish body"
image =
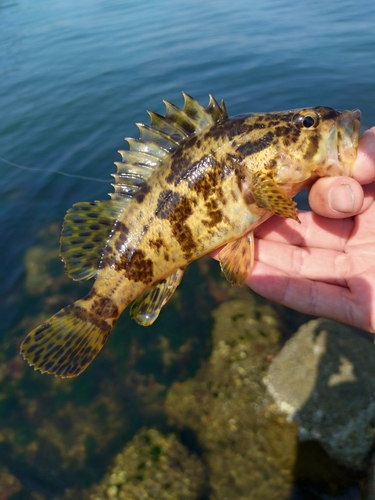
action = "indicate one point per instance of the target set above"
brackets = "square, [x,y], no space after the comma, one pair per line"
[195,180]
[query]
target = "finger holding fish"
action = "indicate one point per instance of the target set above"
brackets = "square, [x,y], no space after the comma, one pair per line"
[324,266]
[341,197]
[346,305]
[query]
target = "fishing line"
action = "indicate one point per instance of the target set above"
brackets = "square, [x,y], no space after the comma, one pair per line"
[66,174]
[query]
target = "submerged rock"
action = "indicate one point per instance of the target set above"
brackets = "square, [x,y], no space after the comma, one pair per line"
[248,447]
[9,484]
[152,467]
[323,378]
[38,279]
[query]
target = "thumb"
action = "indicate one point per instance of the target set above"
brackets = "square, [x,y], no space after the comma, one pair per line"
[336,197]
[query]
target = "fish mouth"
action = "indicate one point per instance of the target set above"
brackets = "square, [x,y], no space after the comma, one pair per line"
[345,143]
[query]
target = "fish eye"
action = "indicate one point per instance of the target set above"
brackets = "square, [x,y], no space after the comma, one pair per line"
[306,119]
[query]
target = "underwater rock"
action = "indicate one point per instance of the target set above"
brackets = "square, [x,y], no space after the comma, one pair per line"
[38,278]
[323,378]
[248,447]
[9,484]
[152,467]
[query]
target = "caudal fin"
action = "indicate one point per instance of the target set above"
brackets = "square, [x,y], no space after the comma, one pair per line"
[67,343]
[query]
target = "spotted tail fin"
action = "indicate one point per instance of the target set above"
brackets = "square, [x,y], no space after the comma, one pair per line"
[67,343]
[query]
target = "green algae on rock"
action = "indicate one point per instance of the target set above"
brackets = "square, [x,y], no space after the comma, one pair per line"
[152,467]
[9,484]
[37,277]
[247,445]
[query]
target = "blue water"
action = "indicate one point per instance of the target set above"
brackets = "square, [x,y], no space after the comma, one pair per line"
[76,75]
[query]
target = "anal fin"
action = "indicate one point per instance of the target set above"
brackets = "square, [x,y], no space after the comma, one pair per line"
[270,196]
[146,308]
[237,259]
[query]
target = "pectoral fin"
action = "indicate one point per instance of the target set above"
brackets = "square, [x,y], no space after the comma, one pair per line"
[267,194]
[146,308]
[237,259]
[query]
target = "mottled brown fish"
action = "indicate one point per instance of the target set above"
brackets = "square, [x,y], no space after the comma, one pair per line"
[194,180]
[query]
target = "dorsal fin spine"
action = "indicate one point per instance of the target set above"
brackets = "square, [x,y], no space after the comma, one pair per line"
[145,147]
[177,115]
[215,109]
[160,139]
[137,158]
[149,134]
[167,126]
[224,109]
[197,113]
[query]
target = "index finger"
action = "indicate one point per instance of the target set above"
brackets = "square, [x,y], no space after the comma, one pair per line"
[314,231]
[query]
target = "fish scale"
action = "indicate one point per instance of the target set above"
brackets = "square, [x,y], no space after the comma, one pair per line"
[195,180]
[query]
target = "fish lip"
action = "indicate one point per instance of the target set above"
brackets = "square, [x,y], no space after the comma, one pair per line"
[347,135]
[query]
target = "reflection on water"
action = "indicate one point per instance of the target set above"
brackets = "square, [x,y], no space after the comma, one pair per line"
[74,79]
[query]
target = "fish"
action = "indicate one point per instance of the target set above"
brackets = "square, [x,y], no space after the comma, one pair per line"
[195,180]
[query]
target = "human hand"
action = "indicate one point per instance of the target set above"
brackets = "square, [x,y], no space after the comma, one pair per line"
[325,266]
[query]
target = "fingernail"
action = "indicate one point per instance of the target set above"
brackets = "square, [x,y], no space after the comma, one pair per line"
[341,199]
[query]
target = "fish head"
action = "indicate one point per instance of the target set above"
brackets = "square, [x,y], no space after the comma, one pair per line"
[334,138]
[316,142]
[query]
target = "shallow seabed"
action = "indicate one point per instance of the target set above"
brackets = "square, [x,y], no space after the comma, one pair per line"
[74,77]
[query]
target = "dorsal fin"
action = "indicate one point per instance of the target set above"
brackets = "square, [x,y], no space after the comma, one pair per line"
[87,226]
[161,138]
[86,229]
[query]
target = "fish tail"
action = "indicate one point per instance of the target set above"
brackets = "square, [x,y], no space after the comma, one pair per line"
[67,343]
